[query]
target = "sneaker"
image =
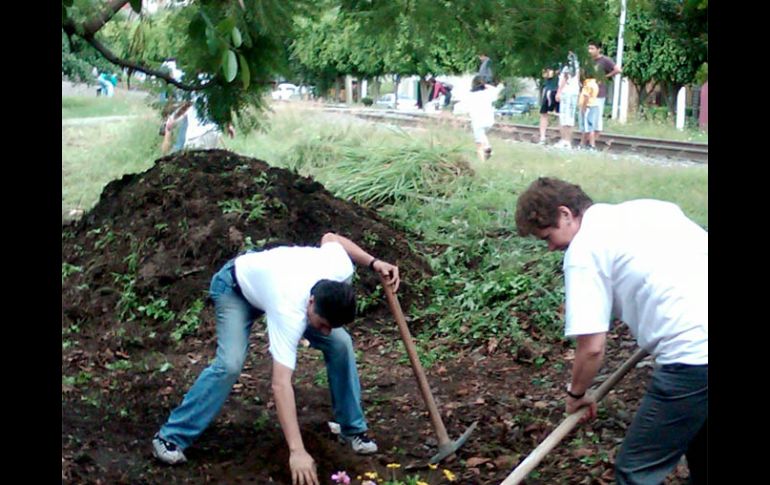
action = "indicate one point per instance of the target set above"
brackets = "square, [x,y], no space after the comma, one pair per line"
[166,451]
[361,444]
[487,153]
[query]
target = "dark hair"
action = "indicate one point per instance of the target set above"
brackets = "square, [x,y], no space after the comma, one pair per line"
[477,84]
[334,301]
[538,207]
[595,44]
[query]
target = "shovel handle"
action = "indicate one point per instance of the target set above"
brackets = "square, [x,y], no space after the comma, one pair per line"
[419,374]
[549,443]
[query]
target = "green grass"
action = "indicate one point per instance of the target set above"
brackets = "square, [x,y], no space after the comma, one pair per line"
[309,140]
[95,154]
[89,106]
[487,279]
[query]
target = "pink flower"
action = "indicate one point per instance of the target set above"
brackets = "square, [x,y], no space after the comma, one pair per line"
[341,477]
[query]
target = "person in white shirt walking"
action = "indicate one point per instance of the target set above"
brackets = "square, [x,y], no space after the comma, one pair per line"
[303,292]
[645,263]
[478,104]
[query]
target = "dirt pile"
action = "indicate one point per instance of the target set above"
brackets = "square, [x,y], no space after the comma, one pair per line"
[152,243]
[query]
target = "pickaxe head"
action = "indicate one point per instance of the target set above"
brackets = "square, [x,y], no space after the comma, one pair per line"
[449,448]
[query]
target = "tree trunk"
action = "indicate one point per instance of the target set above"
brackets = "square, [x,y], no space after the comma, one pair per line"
[375,88]
[670,90]
[337,90]
[395,92]
[424,92]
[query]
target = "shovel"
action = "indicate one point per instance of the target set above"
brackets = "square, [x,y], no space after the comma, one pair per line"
[446,446]
[533,459]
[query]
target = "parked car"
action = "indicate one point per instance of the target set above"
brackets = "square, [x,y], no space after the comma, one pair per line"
[389,101]
[285,91]
[522,105]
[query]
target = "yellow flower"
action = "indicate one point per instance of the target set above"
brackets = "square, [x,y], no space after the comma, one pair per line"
[371,475]
[432,466]
[449,475]
[394,465]
[420,482]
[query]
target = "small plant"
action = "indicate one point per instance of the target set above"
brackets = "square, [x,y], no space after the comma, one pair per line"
[190,321]
[68,269]
[321,379]
[129,301]
[118,365]
[232,205]
[157,310]
[105,240]
[256,207]
[367,101]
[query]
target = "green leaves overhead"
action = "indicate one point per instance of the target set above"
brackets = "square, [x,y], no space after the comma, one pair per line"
[229,65]
[245,74]
[237,39]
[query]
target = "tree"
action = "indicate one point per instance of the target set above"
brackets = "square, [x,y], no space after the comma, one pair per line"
[228,51]
[666,44]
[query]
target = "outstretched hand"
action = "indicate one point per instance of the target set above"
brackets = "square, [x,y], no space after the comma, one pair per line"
[389,273]
[303,468]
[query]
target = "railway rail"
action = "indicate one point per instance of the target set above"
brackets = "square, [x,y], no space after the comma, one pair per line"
[682,150]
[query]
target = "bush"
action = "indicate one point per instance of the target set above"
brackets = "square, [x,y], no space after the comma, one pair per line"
[367,101]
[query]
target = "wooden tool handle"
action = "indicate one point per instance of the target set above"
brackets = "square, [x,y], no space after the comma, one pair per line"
[548,444]
[419,374]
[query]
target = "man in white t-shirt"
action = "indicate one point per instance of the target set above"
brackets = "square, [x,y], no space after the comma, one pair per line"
[303,292]
[646,263]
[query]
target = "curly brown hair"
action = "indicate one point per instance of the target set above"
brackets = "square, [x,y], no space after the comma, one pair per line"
[538,207]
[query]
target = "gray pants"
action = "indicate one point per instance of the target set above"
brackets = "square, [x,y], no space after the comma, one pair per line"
[672,420]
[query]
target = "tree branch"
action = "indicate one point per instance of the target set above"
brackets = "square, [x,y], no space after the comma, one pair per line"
[93,25]
[137,67]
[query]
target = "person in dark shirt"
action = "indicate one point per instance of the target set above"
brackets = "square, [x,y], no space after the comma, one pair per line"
[605,69]
[548,105]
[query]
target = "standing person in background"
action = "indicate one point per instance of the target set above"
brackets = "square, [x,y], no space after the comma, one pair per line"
[199,133]
[589,112]
[548,104]
[485,69]
[479,105]
[605,70]
[567,97]
[105,85]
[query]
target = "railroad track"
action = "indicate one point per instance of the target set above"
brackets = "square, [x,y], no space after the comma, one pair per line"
[695,152]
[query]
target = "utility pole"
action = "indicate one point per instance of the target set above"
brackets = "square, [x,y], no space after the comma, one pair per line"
[616,91]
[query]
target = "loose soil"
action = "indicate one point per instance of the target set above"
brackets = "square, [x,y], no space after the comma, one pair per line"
[145,254]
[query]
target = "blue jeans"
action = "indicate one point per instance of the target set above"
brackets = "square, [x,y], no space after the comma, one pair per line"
[672,420]
[235,316]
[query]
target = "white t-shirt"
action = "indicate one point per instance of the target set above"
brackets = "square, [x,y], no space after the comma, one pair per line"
[646,263]
[278,282]
[478,104]
[572,86]
[196,127]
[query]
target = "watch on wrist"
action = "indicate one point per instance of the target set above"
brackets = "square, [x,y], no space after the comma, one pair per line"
[575,396]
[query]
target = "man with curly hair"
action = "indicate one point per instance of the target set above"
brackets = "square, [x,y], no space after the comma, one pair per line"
[645,263]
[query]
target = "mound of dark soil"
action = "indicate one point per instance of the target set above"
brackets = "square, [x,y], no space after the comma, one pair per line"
[162,234]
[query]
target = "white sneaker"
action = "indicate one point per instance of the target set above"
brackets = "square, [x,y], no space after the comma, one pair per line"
[166,451]
[361,444]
